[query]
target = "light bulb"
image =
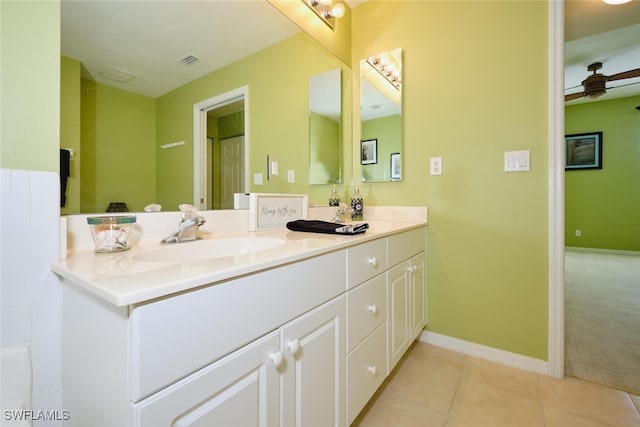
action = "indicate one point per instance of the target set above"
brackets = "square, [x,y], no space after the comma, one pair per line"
[338,10]
[616,1]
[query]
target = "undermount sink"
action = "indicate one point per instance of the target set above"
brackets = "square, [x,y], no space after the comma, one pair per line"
[208,249]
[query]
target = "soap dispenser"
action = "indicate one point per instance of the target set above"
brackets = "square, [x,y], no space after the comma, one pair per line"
[334,198]
[357,205]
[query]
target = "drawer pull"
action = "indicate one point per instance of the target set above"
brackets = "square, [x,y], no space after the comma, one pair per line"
[373,261]
[412,269]
[373,309]
[293,346]
[372,370]
[276,358]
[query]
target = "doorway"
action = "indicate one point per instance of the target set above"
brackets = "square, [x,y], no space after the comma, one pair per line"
[221,153]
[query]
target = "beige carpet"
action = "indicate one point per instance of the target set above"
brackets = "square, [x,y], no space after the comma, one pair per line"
[602,318]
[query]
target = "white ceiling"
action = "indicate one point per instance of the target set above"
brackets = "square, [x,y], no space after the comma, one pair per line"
[598,32]
[147,38]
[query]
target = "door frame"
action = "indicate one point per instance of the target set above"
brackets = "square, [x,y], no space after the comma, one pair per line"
[200,140]
[555,350]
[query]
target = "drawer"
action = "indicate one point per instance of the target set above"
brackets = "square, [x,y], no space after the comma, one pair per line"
[365,261]
[406,244]
[366,369]
[366,309]
[175,336]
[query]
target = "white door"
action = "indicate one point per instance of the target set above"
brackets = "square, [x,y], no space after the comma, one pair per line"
[313,393]
[240,390]
[232,172]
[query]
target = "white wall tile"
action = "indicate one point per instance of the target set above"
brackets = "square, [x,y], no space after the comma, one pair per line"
[14,276]
[16,325]
[46,355]
[31,297]
[46,303]
[51,402]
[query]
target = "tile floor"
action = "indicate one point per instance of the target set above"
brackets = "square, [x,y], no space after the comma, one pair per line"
[435,387]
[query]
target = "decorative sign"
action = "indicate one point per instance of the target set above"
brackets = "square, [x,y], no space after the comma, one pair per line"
[270,211]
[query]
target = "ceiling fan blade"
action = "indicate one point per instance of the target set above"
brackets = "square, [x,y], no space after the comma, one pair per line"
[623,85]
[625,75]
[571,96]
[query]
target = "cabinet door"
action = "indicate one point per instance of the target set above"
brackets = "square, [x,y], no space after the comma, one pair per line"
[313,392]
[398,297]
[418,294]
[240,390]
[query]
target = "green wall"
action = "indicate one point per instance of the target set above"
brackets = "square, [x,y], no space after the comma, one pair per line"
[30,85]
[388,131]
[324,149]
[605,203]
[464,64]
[117,153]
[70,116]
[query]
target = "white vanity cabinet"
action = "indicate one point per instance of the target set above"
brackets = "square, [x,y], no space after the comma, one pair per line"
[301,343]
[385,313]
[300,367]
[406,293]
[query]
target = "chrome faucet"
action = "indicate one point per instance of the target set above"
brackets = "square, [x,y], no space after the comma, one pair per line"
[187,230]
[342,213]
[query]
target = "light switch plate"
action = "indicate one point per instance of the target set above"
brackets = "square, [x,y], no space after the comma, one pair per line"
[257,179]
[517,161]
[291,176]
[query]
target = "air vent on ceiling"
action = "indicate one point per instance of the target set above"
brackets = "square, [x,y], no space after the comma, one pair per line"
[117,75]
[189,59]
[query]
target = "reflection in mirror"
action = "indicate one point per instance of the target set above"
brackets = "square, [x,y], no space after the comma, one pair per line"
[225,155]
[381,117]
[137,146]
[325,130]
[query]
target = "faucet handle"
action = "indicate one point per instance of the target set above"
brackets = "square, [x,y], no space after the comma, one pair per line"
[188,211]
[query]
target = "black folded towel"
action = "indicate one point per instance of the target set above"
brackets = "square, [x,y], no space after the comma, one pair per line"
[315,226]
[65,172]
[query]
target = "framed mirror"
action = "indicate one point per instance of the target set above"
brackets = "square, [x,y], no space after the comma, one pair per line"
[325,128]
[138,147]
[381,117]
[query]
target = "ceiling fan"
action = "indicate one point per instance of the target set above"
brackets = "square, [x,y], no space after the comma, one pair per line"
[595,84]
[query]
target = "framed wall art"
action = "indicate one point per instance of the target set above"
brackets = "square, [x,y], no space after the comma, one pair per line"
[583,151]
[396,167]
[369,151]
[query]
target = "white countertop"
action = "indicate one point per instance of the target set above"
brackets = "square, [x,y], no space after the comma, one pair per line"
[121,280]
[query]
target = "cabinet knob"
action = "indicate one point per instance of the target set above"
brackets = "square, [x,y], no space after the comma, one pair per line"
[372,370]
[293,346]
[373,309]
[412,269]
[373,261]
[276,358]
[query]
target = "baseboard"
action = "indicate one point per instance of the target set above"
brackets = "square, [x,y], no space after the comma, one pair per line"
[487,353]
[602,251]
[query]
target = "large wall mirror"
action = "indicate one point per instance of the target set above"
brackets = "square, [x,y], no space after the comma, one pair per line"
[136,138]
[381,117]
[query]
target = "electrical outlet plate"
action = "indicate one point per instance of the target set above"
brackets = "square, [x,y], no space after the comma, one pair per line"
[291,176]
[436,166]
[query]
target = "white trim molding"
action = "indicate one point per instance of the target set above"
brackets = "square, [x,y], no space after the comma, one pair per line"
[502,357]
[555,346]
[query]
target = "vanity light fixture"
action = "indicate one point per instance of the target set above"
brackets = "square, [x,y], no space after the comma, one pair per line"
[326,11]
[616,1]
[388,67]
